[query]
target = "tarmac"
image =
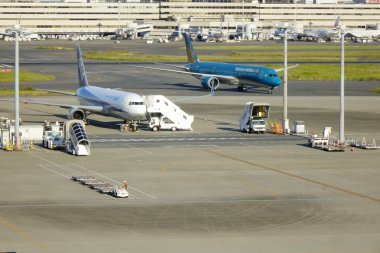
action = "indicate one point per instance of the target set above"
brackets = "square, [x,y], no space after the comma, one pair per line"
[210,190]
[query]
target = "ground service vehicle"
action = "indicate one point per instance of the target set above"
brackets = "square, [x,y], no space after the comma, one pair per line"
[253,119]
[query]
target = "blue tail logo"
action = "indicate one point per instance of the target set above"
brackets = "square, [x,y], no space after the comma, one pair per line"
[81,71]
[191,54]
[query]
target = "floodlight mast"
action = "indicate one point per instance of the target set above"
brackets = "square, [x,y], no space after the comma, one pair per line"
[17,145]
[285,122]
[341,111]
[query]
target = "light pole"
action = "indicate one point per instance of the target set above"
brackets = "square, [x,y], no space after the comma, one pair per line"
[118,7]
[341,113]
[243,23]
[17,145]
[243,11]
[285,122]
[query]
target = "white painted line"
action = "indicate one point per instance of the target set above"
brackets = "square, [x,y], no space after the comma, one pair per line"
[46,168]
[139,149]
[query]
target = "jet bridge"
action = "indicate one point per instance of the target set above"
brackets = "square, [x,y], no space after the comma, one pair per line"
[164,114]
[77,142]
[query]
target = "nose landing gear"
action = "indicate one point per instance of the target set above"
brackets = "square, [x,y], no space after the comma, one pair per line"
[129,126]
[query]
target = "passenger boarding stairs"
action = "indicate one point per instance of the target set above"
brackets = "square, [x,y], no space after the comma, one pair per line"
[162,107]
[77,142]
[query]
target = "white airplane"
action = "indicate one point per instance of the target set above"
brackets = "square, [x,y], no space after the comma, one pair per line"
[362,35]
[320,34]
[127,106]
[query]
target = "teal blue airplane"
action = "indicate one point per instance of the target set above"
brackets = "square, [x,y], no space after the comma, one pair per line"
[212,74]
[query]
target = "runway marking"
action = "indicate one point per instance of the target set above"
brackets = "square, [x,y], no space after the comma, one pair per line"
[139,149]
[266,167]
[22,233]
[74,171]
[54,171]
[64,168]
[174,139]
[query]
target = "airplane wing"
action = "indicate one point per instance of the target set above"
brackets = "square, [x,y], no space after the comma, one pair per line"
[172,65]
[59,92]
[89,108]
[223,78]
[282,69]
[212,92]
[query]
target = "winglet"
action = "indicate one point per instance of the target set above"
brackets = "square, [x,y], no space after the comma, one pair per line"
[282,69]
[191,54]
[81,71]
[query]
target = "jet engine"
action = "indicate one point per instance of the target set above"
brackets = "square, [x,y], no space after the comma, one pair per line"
[75,113]
[207,82]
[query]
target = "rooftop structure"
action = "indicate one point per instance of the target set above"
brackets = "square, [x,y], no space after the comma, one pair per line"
[83,17]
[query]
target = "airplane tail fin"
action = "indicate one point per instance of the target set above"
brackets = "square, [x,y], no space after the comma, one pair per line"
[191,54]
[81,71]
[338,22]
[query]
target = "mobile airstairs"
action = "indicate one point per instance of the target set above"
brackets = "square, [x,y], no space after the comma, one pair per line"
[77,142]
[164,114]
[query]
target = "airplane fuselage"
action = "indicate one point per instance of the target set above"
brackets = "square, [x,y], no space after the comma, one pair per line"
[244,75]
[115,103]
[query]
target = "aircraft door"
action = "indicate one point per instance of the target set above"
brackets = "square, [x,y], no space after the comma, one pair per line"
[261,75]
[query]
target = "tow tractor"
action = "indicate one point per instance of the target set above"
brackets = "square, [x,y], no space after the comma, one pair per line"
[53,136]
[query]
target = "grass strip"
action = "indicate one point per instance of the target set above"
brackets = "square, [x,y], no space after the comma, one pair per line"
[322,72]
[123,55]
[28,91]
[237,56]
[331,72]
[291,47]
[54,48]
[25,76]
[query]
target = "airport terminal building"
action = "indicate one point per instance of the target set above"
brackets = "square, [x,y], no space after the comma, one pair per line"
[86,16]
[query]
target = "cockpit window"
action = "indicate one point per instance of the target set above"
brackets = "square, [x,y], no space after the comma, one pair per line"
[136,103]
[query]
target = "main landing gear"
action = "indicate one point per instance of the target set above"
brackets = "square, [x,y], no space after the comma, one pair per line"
[242,88]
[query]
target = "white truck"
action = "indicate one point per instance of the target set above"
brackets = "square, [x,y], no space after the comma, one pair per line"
[53,137]
[161,123]
[163,114]
[253,119]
